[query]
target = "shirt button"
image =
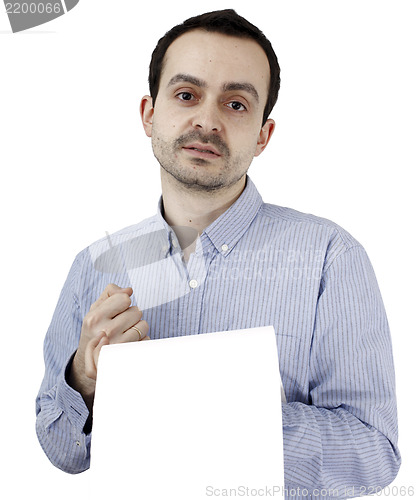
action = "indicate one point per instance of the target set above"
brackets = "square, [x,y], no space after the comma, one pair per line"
[224,248]
[78,443]
[174,243]
[193,283]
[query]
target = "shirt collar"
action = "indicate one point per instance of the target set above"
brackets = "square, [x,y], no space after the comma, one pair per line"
[229,227]
[226,231]
[170,242]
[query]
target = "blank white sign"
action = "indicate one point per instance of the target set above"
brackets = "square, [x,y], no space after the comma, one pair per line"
[188,417]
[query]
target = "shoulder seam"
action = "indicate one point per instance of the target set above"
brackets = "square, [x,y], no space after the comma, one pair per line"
[341,254]
[315,220]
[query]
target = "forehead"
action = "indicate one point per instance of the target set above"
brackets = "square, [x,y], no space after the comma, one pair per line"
[217,58]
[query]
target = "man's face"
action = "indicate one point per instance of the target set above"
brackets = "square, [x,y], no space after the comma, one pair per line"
[206,125]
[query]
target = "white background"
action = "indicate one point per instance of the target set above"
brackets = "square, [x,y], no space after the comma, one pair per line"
[75,163]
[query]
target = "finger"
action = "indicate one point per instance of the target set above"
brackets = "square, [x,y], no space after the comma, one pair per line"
[92,352]
[111,307]
[101,318]
[110,290]
[137,332]
[122,322]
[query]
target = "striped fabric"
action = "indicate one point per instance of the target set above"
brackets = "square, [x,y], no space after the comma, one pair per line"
[256,265]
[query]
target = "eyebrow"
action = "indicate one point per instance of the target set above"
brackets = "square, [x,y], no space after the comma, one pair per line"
[246,87]
[227,87]
[182,77]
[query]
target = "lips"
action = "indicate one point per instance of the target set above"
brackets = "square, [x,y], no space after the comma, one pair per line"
[203,149]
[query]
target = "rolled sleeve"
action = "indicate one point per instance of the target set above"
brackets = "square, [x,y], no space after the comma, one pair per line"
[60,410]
[346,438]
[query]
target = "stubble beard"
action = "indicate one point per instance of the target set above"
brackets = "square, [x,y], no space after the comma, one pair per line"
[200,179]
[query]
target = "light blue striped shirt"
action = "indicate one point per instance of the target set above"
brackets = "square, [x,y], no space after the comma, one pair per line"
[256,265]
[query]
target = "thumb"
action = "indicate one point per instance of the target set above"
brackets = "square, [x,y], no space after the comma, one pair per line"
[92,352]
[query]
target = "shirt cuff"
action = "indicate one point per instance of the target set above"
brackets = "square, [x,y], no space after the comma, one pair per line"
[70,401]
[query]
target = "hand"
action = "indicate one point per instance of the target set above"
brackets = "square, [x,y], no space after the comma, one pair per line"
[109,321]
[93,348]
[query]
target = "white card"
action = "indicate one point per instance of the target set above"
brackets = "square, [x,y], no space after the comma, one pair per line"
[188,417]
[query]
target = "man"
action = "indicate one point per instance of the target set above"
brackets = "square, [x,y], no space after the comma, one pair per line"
[215,257]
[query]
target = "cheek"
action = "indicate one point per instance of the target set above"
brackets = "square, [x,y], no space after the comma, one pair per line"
[167,118]
[163,143]
[245,128]
[163,134]
[246,140]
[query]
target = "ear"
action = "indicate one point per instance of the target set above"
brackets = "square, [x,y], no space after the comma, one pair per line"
[264,137]
[146,113]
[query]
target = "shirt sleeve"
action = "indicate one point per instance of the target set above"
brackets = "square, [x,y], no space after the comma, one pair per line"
[60,410]
[345,440]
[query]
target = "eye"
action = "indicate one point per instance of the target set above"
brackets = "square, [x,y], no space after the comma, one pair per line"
[236,106]
[185,96]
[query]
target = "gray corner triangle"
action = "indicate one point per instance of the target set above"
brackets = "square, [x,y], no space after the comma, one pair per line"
[70,4]
[24,15]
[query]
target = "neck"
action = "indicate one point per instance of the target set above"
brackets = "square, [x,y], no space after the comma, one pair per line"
[197,209]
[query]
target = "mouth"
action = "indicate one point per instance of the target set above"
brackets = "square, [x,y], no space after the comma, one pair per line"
[202,151]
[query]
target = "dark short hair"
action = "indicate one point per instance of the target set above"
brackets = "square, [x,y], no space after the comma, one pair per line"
[227,22]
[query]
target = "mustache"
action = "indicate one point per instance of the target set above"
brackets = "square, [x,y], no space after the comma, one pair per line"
[204,139]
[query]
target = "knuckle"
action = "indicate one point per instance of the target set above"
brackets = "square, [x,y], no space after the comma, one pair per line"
[137,312]
[111,288]
[126,300]
[90,320]
[145,326]
[111,330]
[120,301]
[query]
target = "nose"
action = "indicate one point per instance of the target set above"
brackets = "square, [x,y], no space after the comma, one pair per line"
[207,118]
